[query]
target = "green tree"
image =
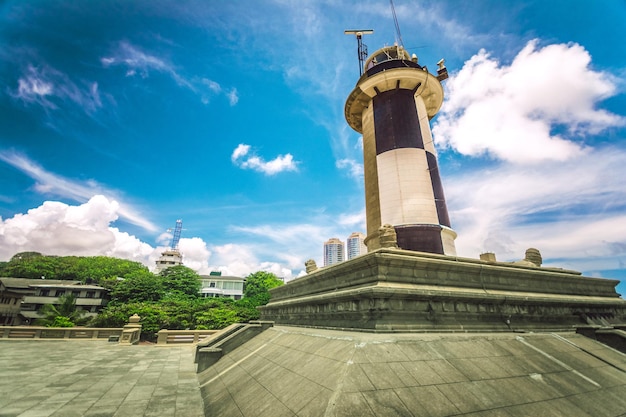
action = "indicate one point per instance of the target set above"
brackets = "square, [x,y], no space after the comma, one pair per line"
[216,318]
[80,268]
[181,281]
[62,314]
[258,284]
[246,309]
[138,286]
[25,255]
[101,268]
[153,318]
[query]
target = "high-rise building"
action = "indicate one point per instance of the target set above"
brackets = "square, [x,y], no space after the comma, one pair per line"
[334,251]
[391,106]
[355,245]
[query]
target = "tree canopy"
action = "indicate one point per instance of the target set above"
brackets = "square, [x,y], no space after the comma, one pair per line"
[96,269]
[138,286]
[258,284]
[169,300]
[180,281]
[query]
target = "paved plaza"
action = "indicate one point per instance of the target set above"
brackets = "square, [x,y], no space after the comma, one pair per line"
[65,378]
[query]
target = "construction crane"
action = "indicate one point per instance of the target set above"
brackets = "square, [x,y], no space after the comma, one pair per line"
[177,231]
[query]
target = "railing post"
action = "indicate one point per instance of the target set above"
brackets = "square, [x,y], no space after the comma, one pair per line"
[131,331]
[162,337]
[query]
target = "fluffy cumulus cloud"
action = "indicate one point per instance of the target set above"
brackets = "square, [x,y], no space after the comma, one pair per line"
[245,159]
[55,228]
[52,184]
[540,107]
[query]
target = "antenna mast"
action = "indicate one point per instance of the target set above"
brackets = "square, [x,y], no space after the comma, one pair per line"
[395,21]
[177,230]
[362,48]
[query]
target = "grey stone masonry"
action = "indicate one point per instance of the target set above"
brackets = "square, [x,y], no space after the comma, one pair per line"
[290,371]
[398,290]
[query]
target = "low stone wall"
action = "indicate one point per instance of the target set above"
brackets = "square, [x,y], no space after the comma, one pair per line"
[169,337]
[37,332]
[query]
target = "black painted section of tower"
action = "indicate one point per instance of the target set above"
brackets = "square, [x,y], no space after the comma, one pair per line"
[421,238]
[440,200]
[396,126]
[390,64]
[396,123]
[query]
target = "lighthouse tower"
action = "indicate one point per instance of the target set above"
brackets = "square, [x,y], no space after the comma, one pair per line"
[391,106]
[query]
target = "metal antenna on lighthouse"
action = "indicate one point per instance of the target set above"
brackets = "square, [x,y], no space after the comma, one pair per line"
[362,48]
[395,21]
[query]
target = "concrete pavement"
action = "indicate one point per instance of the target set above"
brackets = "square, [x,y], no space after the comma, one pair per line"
[66,378]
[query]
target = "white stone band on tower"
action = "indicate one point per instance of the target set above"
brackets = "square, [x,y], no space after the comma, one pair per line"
[391,106]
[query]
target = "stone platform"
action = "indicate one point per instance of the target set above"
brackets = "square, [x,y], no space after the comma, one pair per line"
[392,290]
[70,378]
[294,371]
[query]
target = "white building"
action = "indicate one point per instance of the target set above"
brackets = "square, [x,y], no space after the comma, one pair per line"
[356,245]
[334,251]
[169,258]
[216,285]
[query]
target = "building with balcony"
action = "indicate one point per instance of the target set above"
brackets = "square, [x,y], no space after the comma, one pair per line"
[216,285]
[34,293]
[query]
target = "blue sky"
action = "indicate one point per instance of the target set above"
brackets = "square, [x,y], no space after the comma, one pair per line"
[117,118]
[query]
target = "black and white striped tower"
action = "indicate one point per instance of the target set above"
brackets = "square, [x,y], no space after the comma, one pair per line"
[391,106]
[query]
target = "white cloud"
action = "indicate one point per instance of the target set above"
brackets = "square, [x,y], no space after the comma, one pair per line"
[240,151]
[569,210]
[354,168]
[242,157]
[195,254]
[141,63]
[241,260]
[233,97]
[513,112]
[213,86]
[56,228]
[48,87]
[52,184]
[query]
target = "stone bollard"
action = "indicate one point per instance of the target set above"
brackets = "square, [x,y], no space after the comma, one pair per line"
[131,331]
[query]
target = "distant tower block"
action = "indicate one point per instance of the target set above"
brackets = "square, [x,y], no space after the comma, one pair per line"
[391,106]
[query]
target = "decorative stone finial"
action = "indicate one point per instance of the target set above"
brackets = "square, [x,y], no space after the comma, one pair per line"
[533,255]
[134,318]
[387,236]
[310,266]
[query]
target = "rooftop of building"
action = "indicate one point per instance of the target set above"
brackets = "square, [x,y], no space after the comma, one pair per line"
[222,278]
[25,283]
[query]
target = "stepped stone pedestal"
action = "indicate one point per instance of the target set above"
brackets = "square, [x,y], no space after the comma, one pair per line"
[395,290]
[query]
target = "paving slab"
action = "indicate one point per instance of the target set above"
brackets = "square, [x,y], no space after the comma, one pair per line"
[65,378]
